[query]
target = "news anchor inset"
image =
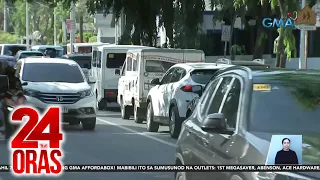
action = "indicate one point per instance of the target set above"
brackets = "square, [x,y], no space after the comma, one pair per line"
[286,155]
[285,149]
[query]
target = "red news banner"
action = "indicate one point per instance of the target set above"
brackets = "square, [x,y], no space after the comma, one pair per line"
[176,168]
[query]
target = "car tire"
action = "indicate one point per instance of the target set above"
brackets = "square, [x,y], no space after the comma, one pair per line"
[125,113]
[180,176]
[137,119]
[174,122]
[89,124]
[151,125]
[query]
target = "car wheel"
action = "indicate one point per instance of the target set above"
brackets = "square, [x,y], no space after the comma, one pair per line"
[100,105]
[89,124]
[125,114]
[74,123]
[135,115]
[151,125]
[174,122]
[180,176]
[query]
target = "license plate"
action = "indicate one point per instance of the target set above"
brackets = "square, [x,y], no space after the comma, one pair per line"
[65,110]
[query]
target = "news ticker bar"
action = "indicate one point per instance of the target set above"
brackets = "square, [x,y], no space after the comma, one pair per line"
[195,168]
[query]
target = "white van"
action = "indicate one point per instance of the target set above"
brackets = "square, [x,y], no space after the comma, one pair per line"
[83,48]
[106,64]
[52,51]
[143,65]
[11,49]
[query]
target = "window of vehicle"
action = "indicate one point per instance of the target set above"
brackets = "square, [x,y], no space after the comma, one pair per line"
[231,104]
[167,77]
[202,76]
[129,64]
[52,72]
[85,49]
[94,59]
[176,76]
[115,60]
[286,108]
[135,64]
[11,50]
[157,66]
[216,100]
[98,59]
[123,70]
[83,61]
[0,49]
[29,54]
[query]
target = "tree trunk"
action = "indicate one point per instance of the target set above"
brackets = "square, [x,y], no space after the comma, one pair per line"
[34,16]
[261,32]
[81,28]
[281,56]
[5,17]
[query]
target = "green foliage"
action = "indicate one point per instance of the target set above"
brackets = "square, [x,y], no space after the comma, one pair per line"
[86,36]
[7,38]
[93,39]
[238,49]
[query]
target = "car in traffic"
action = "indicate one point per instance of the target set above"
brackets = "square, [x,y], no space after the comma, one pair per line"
[170,95]
[25,54]
[49,50]
[239,111]
[251,64]
[11,49]
[10,59]
[59,82]
[84,61]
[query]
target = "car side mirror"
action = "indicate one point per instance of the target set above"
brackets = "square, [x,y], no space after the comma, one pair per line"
[155,81]
[214,122]
[24,84]
[198,89]
[117,72]
[91,80]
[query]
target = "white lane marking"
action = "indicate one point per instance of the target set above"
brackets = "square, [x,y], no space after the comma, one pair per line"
[137,132]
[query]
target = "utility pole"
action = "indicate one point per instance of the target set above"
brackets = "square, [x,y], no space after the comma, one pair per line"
[303,42]
[72,33]
[27,25]
[5,17]
[55,25]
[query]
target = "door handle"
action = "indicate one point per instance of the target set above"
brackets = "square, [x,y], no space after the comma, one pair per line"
[205,142]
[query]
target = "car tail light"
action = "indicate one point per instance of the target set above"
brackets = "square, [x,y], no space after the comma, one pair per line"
[186,88]
[109,93]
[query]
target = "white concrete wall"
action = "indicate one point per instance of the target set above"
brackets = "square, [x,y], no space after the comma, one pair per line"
[103,27]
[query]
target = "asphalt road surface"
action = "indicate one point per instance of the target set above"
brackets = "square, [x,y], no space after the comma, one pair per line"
[115,141]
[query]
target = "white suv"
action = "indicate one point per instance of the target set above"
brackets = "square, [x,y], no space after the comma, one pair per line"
[168,100]
[59,82]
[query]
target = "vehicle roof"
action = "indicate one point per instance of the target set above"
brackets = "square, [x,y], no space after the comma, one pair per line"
[87,44]
[49,60]
[278,71]
[46,46]
[6,56]
[13,45]
[152,49]
[77,54]
[196,66]
[247,63]
[30,52]
[115,46]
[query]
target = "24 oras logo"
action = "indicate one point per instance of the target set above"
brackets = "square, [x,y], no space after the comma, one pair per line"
[34,151]
[282,22]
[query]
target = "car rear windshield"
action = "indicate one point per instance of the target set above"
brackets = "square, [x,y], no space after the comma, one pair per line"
[11,50]
[52,72]
[202,76]
[83,61]
[85,49]
[158,66]
[286,108]
[30,54]
[115,60]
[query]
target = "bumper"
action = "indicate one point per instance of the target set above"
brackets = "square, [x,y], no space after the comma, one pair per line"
[84,109]
[110,95]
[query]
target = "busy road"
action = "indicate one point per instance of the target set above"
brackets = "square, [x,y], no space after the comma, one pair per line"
[114,141]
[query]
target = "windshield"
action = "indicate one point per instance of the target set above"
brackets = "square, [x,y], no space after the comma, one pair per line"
[30,54]
[288,108]
[158,66]
[53,53]
[202,76]
[11,50]
[83,61]
[84,49]
[52,72]
[115,60]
